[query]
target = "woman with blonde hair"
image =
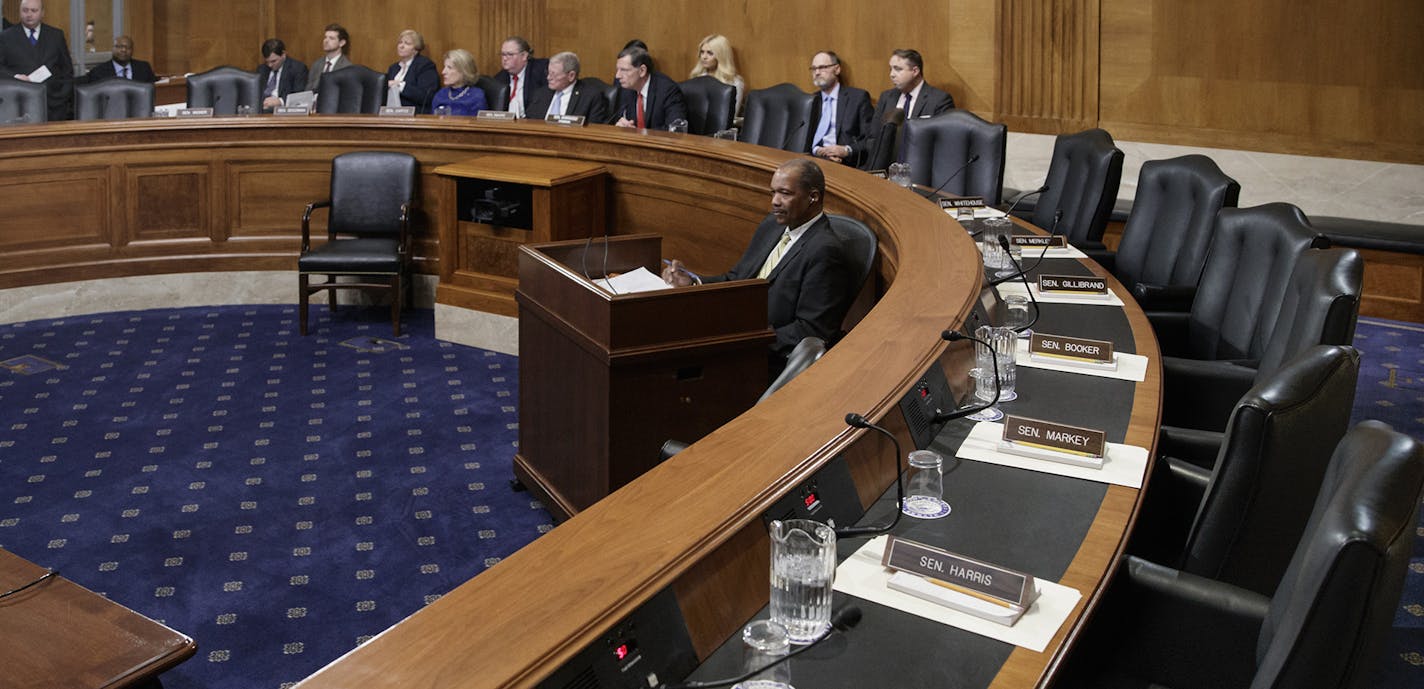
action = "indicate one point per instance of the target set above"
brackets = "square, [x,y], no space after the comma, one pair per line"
[460,94]
[714,59]
[412,79]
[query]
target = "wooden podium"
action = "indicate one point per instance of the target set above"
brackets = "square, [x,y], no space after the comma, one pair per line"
[604,379]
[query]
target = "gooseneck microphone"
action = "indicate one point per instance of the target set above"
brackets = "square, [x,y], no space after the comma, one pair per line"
[956,336]
[895,119]
[1037,310]
[1052,232]
[962,168]
[787,141]
[857,421]
[1019,199]
[841,621]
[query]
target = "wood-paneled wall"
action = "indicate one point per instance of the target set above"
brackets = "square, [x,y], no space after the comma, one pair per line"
[1291,76]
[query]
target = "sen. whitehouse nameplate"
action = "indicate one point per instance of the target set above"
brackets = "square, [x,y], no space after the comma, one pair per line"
[1073,285]
[1054,442]
[1053,241]
[195,112]
[291,110]
[396,111]
[970,202]
[495,115]
[1072,351]
[958,582]
[566,120]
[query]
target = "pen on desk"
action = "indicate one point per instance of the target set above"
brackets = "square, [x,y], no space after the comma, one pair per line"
[695,277]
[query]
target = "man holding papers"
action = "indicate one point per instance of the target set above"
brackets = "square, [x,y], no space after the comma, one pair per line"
[34,51]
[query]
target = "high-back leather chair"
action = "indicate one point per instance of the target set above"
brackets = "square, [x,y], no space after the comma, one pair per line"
[1083,178]
[496,93]
[886,141]
[941,146]
[859,244]
[223,89]
[357,89]
[609,92]
[1169,230]
[1321,305]
[710,104]
[23,102]
[368,229]
[779,117]
[113,99]
[1323,626]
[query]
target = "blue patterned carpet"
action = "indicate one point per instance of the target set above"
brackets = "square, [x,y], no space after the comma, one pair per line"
[278,498]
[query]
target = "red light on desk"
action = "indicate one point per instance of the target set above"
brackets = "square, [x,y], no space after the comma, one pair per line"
[811,499]
[621,651]
[624,649]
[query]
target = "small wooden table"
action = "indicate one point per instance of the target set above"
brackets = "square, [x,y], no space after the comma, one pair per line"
[60,634]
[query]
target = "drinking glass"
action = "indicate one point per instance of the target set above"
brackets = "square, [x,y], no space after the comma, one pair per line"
[728,134]
[924,486]
[765,641]
[244,111]
[442,111]
[984,391]
[900,174]
[1016,316]
[1011,260]
[679,126]
[803,568]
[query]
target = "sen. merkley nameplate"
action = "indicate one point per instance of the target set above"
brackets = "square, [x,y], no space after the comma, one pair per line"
[566,120]
[1052,241]
[396,111]
[1072,351]
[291,111]
[494,115]
[195,112]
[1054,442]
[1074,285]
[970,586]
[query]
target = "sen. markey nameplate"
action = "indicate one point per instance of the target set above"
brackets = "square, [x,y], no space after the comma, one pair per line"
[1054,442]
[958,582]
[1075,285]
[1072,351]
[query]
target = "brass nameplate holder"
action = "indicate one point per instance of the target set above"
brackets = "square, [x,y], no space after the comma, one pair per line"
[396,111]
[1075,351]
[195,112]
[494,115]
[1053,241]
[1054,442]
[291,110]
[970,586]
[566,120]
[1073,285]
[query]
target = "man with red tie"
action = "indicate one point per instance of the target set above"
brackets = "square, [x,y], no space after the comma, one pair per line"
[523,73]
[650,100]
[30,45]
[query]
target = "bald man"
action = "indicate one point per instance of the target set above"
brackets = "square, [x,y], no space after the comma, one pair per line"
[31,44]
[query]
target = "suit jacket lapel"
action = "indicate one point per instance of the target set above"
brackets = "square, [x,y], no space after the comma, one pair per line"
[790,254]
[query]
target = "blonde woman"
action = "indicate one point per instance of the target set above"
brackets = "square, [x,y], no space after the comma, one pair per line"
[413,76]
[460,94]
[714,59]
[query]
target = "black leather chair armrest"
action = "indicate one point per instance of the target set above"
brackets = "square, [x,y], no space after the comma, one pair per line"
[670,448]
[1166,298]
[1106,259]
[306,221]
[1193,445]
[1173,497]
[1201,394]
[1171,330]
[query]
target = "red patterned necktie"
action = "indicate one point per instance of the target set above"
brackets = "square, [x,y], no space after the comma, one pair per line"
[641,123]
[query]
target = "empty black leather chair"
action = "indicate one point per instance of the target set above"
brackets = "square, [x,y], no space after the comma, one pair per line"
[1165,240]
[354,90]
[1323,626]
[941,146]
[367,229]
[779,117]
[1238,522]
[23,102]
[113,99]
[710,105]
[223,89]
[609,91]
[496,93]
[1083,178]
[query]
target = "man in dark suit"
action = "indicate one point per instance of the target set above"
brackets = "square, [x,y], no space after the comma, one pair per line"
[33,44]
[123,66]
[910,93]
[649,99]
[279,74]
[795,250]
[841,116]
[564,96]
[522,73]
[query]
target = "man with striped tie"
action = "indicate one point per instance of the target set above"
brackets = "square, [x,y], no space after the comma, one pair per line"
[32,44]
[123,66]
[795,250]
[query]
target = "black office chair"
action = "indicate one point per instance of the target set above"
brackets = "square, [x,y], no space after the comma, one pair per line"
[710,105]
[371,197]
[861,246]
[610,95]
[881,148]
[22,102]
[1165,240]
[1237,516]
[113,99]
[779,117]
[496,93]
[357,89]
[940,146]
[1322,627]
[224,89]
[1083,178]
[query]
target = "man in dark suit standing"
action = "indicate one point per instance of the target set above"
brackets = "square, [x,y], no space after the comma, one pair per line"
[649,99]
[795,250]
[564,96]
[33,44]
[521,72]
[123,66]
[841,116]
[279,74]
[910,94]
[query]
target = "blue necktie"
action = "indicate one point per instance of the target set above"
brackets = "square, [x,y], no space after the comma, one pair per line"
[34,36]
[828,117]
[127,75]
[558,100]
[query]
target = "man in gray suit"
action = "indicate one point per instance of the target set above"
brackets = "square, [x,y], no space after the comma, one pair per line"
[562,94]
[336,45]
[31,44]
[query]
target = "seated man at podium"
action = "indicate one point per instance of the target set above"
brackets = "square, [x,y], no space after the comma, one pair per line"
[795,250]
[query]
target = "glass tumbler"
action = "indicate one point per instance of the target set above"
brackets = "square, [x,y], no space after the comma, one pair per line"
[765,642]
[924,486]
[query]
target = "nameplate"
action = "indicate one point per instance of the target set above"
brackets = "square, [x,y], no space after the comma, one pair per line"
[291,110]
[966,575]
[1074,284]
[566,120]
[1086,442]
[1055,241]
[1072,348]
[879,173]
[195,112]
[966,202]
[495,115]
[397,111]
